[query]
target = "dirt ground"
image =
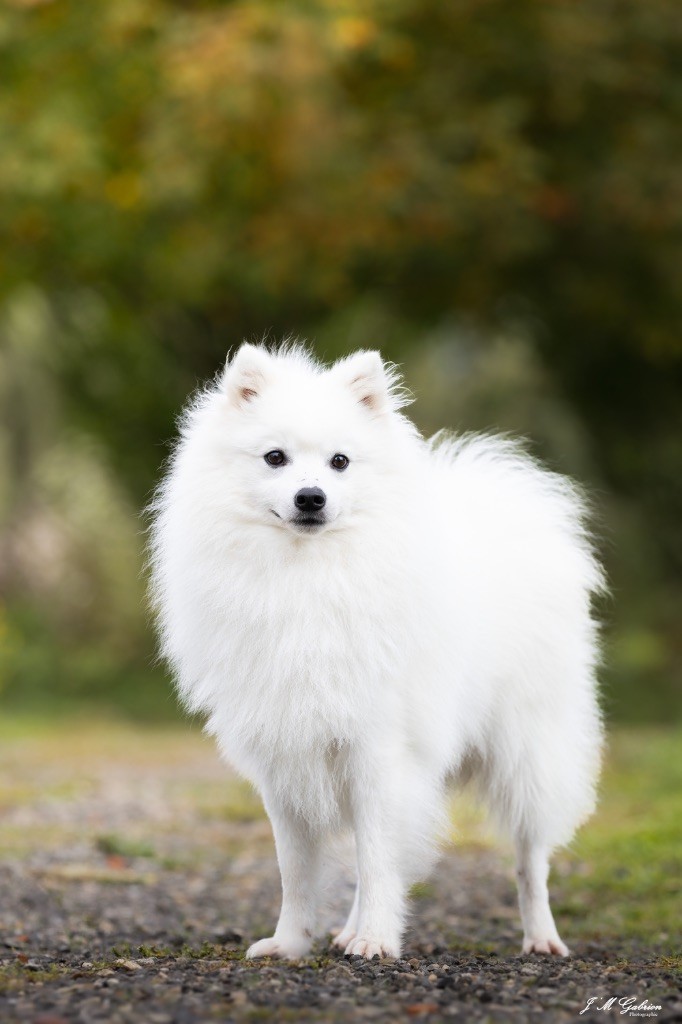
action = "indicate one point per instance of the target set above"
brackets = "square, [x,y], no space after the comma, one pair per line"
[134,870]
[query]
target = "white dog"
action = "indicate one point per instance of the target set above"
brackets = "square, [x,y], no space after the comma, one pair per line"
[366,616]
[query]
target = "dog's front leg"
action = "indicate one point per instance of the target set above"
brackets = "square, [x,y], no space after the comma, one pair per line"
[298,854]
[382,889]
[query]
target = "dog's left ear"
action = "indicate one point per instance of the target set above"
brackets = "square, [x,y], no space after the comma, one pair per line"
[376,386]
[245,373]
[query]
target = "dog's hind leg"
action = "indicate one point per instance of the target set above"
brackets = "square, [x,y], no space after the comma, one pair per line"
[350,928]
[540,934]
[538,776]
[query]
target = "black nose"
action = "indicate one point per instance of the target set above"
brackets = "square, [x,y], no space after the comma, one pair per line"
[310,499]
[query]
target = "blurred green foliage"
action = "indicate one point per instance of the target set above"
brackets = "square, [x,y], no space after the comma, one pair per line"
[625,867]
[490,193]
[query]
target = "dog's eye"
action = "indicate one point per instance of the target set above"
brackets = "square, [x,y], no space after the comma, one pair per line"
[339,462]
[275,458]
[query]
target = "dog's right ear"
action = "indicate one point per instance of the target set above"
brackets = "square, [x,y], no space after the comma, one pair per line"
[245,373]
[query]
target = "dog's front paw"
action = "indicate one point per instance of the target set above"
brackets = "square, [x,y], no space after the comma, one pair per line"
[283,948]
[553,945]
[370,946]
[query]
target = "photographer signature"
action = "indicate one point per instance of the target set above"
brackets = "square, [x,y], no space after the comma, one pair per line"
[628,1004]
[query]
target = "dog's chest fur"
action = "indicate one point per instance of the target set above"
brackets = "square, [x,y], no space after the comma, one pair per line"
[311,655]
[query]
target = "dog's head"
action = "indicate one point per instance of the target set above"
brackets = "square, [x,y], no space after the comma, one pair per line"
[308,447]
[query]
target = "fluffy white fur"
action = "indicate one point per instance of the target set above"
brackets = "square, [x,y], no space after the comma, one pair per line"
[435,628]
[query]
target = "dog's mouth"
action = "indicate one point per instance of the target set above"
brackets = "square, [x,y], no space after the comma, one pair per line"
[308,523]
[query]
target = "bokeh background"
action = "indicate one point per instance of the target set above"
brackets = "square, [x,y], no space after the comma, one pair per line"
[488,192]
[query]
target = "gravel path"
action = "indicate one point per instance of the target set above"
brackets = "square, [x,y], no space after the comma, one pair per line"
[131,881]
